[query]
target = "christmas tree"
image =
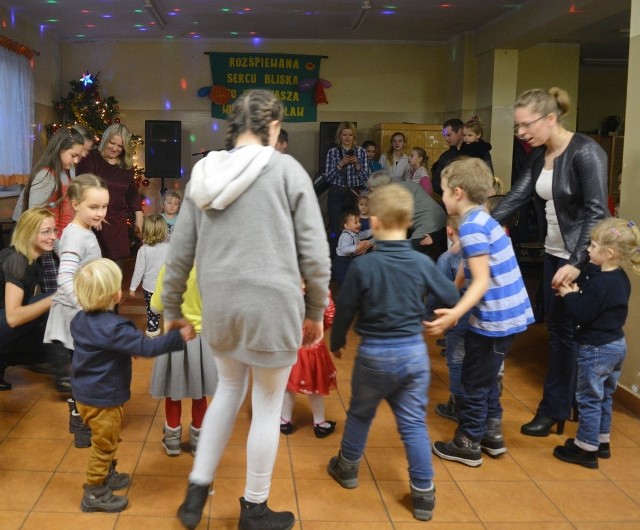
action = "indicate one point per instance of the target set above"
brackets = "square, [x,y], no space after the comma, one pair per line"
[83,105]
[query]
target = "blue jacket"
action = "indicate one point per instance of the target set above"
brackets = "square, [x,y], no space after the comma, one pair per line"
[104,344]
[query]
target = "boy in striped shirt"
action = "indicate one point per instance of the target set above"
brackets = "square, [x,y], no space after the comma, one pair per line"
[499,306]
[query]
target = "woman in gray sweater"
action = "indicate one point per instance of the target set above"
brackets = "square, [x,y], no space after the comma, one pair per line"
[251,224]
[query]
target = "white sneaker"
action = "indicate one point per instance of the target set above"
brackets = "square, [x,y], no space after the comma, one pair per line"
[152,334]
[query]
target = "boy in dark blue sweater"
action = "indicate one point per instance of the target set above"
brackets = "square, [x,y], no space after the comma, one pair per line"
[385,292]
[101,375]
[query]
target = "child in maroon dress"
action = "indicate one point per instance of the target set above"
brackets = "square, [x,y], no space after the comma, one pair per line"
[314,374]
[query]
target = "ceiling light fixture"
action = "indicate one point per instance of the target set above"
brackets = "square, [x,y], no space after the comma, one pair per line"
[364,9]
[155,14]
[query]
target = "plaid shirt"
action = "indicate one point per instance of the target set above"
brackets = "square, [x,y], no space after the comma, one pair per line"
[348,176]
[50,280]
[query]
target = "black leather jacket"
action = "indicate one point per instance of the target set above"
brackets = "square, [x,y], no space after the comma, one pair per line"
[579,191]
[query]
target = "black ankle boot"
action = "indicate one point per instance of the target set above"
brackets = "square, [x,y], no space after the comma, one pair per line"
[570,452]
[541,426]
[190,511]
[259,517]
[4,385]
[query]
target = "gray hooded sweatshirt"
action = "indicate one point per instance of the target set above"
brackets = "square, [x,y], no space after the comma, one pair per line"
[251,224]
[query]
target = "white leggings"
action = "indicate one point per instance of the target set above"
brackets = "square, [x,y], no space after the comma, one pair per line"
[268,389]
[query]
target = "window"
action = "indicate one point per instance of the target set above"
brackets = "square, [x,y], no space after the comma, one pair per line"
[16,113]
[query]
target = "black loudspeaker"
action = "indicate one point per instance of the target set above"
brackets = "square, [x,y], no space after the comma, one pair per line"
[163,140]
[328,131]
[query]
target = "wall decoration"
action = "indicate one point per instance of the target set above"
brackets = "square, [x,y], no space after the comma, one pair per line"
[293,78]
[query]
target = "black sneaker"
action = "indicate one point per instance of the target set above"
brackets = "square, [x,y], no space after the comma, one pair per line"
[460,449]
[571,453]
[448,409]
[604,449]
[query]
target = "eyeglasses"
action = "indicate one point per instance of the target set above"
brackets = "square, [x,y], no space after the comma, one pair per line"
[48,232]
[526,125]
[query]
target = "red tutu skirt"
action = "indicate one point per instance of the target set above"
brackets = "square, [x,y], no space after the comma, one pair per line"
[314,373]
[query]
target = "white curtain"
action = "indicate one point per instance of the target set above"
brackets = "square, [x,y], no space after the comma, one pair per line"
[16,113]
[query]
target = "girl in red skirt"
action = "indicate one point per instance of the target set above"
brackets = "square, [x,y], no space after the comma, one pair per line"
[314,374]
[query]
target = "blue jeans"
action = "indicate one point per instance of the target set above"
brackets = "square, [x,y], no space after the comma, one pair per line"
[396,370]
[454,349]
[560,381]
[480,397]
[598,373]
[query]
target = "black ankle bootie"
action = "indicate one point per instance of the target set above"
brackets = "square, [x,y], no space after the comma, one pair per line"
[190,511]
[541,426]
[255,516]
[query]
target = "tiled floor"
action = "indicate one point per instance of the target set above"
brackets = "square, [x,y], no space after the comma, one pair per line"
[41,472]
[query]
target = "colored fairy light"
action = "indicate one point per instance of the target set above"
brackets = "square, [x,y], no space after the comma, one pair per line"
[192,138]
[85,11]
[183,83]
[172,13]
[387,12]
[233,32]
[225,10]
[90,25]
[138,11]
[256,41]
[214,126]
[167,104]
[168,37]
[52,20]
[137,25]
[246,9]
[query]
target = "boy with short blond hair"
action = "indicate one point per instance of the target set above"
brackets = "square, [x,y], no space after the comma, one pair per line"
[101,375]
[385,292]
[499,306]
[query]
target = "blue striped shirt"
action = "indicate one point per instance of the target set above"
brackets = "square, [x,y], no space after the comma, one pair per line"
[504,309]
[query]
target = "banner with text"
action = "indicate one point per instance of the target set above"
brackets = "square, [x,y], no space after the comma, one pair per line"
[234,73]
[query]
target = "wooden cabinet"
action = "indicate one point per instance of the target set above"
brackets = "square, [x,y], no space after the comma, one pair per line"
[427,136]
[614,147]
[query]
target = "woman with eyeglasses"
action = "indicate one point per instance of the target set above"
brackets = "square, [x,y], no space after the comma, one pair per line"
[23,307]
[567,178]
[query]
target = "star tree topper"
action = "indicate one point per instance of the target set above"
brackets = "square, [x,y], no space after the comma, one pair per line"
[87,79]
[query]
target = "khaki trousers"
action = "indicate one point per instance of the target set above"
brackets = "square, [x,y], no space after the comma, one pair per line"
[105,425]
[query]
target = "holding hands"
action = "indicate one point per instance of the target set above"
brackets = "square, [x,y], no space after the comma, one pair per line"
[567,287]
[184,326]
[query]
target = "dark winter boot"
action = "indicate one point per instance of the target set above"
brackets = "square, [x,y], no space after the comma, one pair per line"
[260,517]
[344,471]
[4,385]
[493,442]
[117,481]
[423,502]
[101,499]
[190,511]
[448,410]
[82,435]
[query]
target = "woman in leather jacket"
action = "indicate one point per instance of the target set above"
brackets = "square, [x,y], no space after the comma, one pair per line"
[567,179]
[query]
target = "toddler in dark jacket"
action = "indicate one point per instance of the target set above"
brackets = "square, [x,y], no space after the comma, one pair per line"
[101,374]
